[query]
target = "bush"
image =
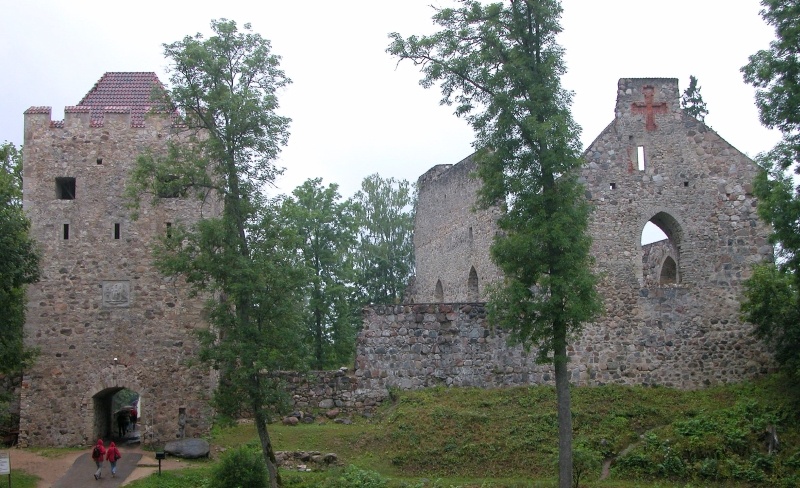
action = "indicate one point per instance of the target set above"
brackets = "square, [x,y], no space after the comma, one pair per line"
[354,477]
[242,467]
[584,461]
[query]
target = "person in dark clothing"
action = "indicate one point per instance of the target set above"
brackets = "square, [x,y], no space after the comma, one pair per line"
[123,417]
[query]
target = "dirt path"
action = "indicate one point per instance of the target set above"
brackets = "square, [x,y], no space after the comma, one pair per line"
[74,470]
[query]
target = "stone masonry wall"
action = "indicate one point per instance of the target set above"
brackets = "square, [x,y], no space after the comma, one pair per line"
[449,248]
[103,317]
[653,163]
[323,390]
[424,345]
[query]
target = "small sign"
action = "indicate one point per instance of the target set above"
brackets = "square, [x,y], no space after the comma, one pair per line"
[5,463]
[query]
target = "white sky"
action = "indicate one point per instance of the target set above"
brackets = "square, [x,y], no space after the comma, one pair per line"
[355,112]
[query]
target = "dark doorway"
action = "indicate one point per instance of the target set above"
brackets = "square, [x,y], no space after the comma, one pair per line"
[110,406]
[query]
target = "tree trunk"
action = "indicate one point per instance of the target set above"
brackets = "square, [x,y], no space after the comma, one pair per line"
[266,449]
[560,361]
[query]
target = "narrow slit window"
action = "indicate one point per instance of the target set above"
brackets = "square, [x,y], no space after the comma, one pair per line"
[65,231]
[640,157]
[116,231]
[169,229]
[65,188]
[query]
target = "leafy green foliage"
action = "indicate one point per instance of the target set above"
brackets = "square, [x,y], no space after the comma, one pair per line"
[500,65]
[19,267]
[773,304]
[385,253]
[224,94]
[775,73]
[717,444]
[325,228]
[239,468]
[772,301]
[692,101]
[20,263]
[355,477]
[584,462]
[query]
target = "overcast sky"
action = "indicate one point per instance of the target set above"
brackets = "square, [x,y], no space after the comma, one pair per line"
[355,111]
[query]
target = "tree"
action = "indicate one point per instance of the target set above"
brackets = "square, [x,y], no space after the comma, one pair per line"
[501,65]
[326,229]
[772,293]
[692,101]
[224,94]
[18,268]
[385,256]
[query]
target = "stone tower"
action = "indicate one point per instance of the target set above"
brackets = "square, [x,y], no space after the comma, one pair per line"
[102,316]
[671,307]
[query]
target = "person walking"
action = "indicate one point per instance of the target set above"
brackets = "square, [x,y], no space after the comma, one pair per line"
[98,454]
[134,417]
[112,456]
[123,418]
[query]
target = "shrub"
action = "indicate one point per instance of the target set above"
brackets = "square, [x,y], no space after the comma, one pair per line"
[354,477]
[242,467]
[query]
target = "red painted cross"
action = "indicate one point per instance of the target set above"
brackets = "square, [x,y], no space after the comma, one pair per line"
[649,109]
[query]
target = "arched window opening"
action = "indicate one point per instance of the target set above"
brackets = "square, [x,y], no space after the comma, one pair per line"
[669,272]
[661,241]
[472,285]
[438,295]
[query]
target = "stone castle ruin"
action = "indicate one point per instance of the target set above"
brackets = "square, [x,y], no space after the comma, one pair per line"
[102,316]
[671,307]
[104,319]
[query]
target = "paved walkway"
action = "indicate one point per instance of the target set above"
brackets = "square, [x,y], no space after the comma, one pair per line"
[81,474]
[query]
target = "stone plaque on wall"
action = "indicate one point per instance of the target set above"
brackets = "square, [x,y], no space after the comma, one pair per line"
[117,293]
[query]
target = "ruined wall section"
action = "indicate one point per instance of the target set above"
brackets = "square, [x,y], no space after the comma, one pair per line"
[450,237]
[693,184]
[100,297]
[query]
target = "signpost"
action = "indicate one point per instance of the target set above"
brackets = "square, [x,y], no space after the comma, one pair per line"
[5,465]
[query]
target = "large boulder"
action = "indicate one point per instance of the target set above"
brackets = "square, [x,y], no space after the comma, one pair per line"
[188,448]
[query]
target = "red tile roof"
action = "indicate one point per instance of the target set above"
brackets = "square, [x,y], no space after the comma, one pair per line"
[119,91]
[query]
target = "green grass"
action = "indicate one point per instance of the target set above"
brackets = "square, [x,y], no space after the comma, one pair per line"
[19,479]
[504,438]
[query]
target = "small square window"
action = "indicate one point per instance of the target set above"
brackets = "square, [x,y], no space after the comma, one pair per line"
[686,183]
[612,186]
[65,188]
[99,160]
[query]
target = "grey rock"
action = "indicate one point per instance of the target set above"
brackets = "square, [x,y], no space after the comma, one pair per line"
[188,448]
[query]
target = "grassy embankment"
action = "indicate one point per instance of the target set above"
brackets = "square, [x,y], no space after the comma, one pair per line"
[507,438]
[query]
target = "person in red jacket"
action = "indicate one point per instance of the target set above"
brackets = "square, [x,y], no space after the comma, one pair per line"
[98,454]
[112,455]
